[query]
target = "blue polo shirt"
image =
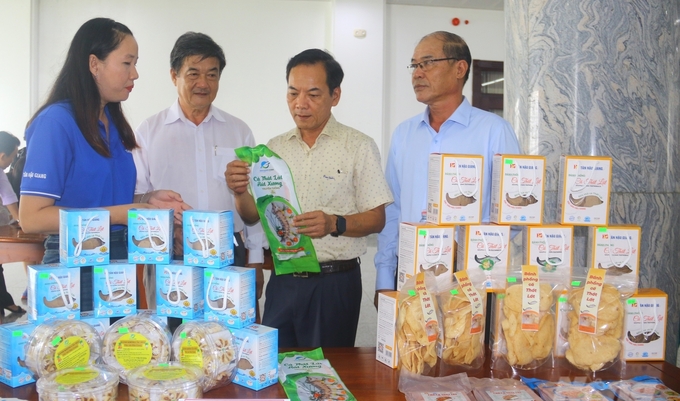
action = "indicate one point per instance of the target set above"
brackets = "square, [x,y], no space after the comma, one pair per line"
[61,164]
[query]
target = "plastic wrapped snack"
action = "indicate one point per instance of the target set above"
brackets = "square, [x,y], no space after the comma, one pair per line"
[496,391]
[422,388]
[209,346]
[91,383]
[463,333]
[135,341]
[528,349]
[600,348]
[165,382]
[418,325]
[648,390]
[59,344]
[550,391]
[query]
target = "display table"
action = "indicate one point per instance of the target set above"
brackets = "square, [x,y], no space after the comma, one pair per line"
[369,379]
[17,246]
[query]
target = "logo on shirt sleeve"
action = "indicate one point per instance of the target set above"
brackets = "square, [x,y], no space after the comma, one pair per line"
[35,175]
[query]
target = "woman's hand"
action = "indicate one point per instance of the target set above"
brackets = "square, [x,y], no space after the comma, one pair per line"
[167,199]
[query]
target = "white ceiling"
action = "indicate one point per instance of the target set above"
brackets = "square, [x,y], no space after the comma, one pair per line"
[475,4]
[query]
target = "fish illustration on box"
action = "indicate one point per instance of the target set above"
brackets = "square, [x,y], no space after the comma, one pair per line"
[115,289]
[208,238]
[150,236]
[83,237]
[53,292]
[230,296]
[179,291]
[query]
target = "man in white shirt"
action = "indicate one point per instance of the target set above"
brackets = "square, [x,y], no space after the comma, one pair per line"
[187,146]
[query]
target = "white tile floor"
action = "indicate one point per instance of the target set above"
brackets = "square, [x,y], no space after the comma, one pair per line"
[16,283]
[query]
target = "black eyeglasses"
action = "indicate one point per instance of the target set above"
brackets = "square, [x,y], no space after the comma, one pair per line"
[426,65]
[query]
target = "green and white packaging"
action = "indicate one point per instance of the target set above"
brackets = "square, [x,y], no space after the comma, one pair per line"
[273,188]
[306,375]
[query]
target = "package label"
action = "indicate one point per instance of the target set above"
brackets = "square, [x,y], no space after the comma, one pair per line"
[531,295]
[590,301]
[476,303]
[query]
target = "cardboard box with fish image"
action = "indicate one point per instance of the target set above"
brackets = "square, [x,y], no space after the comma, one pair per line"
[115,289]
[179,291]
[13,339]
[53,292]
[208,238]
[230,296]
[517,186]
[584,190]
[83,237]
[258,365]
[454,190]
[483,250]
[644,325]
[150,236]
[425,247]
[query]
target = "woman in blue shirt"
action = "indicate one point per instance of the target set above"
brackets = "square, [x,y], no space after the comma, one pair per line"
[79,143]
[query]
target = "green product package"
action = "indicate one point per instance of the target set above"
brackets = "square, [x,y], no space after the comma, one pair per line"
[306,375]
[273,188]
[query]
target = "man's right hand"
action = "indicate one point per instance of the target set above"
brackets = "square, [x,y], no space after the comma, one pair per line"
[237,176]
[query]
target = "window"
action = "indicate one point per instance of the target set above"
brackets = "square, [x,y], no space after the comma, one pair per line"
[487,85]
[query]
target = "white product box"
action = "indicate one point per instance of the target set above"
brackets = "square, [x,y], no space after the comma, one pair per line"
[208,238]
[83,237]
[483,250]
[179,291]
[230,296]
[386,339]
[517,187]
[425,247]
[13,339]
[258,366]
[584,190]
[550,247]
[617,249]
[150,235]
[53,292]
[454,192]
[115,289]
[644,326]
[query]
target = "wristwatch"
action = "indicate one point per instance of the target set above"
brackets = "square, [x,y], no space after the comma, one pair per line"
[340,226]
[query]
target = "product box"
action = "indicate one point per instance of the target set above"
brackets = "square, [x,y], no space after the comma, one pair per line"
[517,186]
[83,237]
[645,326]
[230,294]
[208,238]
[115,289]
[53,292]
[99,324]
[484,252]
[617,250]
[150,235]
[258,366]
[13,339]
[179,291]
[550,247]
[425,247]
[584,189]
[386,339]
[454,189]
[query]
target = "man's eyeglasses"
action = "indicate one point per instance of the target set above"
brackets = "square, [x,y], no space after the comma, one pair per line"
[426,65]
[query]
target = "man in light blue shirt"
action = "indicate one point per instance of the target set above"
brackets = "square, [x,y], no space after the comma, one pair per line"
[440,66]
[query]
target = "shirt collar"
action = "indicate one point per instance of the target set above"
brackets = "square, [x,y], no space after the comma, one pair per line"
[175,113]
[328,130]
[461,115]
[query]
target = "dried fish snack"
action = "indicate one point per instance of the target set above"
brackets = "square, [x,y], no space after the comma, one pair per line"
[91,383]
[58,344]
[460,347]
[209,346]
[165,382]
[560,391]
[600,349]
[134,341]
[527,349]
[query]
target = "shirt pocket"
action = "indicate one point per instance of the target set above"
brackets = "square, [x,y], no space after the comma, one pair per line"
[221,157]
[336,187]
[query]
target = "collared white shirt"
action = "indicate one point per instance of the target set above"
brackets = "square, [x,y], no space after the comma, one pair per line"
[176,154]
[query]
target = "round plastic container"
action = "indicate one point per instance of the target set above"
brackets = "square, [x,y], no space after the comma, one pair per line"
[134,341]
[164,382]
[91,383]
[208,346]
[58,344]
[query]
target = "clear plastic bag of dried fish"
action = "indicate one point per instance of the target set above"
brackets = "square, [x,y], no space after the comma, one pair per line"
[209,346]
[91,383]
[462,339]
[165,382]
[595,328]
[418,325]
[59,344]
[135,341]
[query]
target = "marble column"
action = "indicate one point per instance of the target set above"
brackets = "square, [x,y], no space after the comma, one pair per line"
[601,77]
